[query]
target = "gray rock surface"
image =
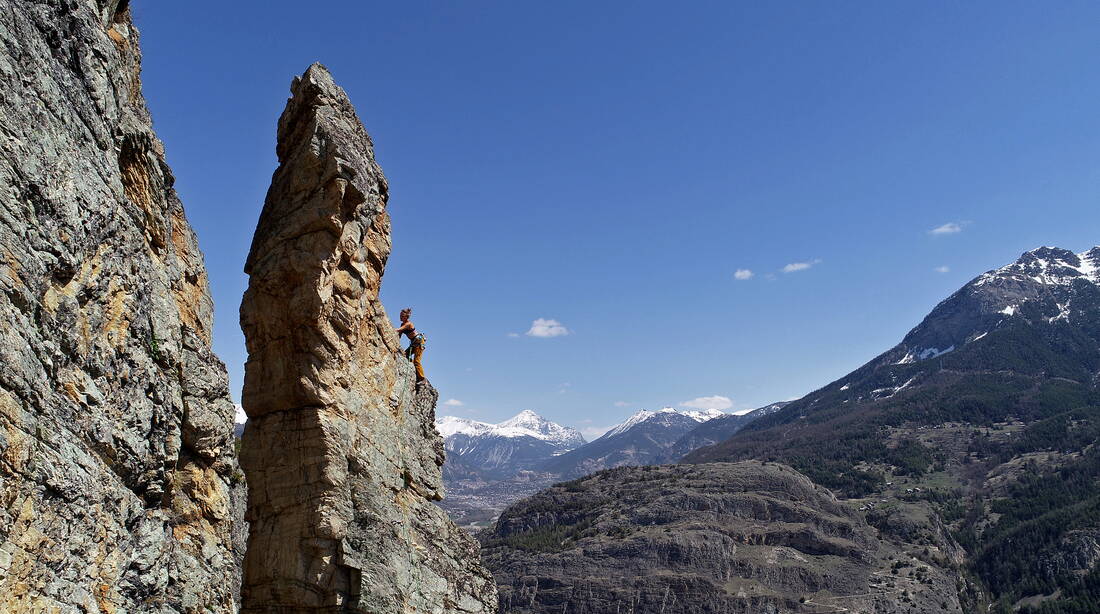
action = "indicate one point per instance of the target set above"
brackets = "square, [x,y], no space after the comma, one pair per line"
[341,454]
[724,537]
[116,456]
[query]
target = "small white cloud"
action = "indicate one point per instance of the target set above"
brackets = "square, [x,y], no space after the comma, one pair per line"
[513,334]
[714,402]
[239,417]
[621,404]
[949,228]
[800,266]
[453,403]
[742,274]
[942,269]
[543,327]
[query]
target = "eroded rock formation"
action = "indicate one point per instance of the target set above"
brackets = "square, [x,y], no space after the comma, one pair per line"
[116,453]
[340,450]
[721,538]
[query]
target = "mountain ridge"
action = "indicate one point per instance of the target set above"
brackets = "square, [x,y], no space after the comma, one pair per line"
[980,426]
[641,439]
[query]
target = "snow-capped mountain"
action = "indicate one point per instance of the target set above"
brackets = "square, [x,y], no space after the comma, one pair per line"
[642,439]
[453,425]
[1047,284]
[524,424]
[500,450]
[1019,343]
[644,415]
[531,424]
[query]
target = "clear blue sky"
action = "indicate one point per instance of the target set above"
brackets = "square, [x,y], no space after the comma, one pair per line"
[610,166]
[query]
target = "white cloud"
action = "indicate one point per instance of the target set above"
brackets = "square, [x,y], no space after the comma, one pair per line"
[942,269]
[742,274]
[239,417]
[543,327]
[714,402]
[594,432]
[621,404]
[949,228]
[513,334]
[800,266]
[453,403]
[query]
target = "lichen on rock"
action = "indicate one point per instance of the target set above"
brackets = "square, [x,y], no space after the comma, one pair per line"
[340,450]
[116,451]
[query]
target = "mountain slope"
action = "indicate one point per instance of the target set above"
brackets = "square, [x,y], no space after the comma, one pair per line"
[716,430]
[983,420]
[1019,342]
[642,439]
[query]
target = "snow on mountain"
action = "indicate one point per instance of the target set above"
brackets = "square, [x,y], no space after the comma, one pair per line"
[644,415]
[453,425]
[531,424]
[1047,283]
[1049,266]
[704,415]
[524,424]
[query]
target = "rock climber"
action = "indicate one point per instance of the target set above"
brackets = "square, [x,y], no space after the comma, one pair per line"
[416,342]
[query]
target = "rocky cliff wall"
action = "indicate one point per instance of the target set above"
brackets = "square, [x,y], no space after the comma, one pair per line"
[341,454]
[116,457]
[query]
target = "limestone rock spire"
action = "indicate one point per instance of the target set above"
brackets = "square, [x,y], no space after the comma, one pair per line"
[340,452]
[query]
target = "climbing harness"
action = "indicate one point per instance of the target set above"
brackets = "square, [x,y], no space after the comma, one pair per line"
[420,341]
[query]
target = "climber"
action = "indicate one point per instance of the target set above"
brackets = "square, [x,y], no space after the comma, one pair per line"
[416,342]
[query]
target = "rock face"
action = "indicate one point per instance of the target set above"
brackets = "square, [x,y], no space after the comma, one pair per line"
[717,538]
[340,451]
[116,455]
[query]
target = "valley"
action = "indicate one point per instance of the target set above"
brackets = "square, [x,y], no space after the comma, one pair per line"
[976,464]
[489,466]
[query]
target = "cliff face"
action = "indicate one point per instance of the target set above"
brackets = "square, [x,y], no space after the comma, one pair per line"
[340,451]
[720,538]
[116,458]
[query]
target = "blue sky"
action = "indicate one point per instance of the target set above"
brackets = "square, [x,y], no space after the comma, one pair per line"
[608,168]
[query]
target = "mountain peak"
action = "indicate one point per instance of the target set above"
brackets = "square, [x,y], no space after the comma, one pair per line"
[525,417]
[524,424]
[1047,266]
[1044,283]
[644,415]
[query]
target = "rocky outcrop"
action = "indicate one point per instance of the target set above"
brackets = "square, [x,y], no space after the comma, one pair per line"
[116,456]
[342,458]
[715,538]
